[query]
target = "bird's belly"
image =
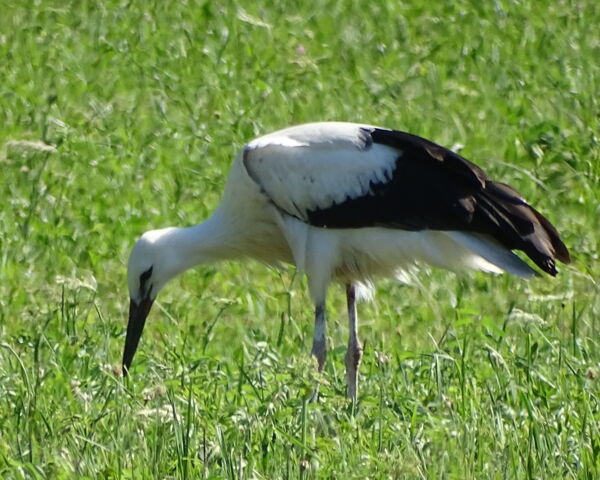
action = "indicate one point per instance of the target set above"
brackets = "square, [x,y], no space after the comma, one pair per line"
[380,252]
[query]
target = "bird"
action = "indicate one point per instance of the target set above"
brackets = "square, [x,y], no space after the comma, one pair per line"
[348,203]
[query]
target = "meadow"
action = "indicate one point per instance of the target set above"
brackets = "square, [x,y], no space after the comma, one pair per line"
[117,117]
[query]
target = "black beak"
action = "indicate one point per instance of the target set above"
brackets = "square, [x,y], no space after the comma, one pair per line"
[138,312]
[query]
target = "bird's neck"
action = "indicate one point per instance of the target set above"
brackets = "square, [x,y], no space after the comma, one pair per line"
[204,243]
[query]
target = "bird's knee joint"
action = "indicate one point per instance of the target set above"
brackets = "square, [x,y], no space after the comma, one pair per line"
[354,356]
[319,351]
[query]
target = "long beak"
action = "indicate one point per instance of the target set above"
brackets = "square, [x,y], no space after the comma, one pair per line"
[137,319]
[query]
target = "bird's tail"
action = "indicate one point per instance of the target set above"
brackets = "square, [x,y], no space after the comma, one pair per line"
[520,227]
[490,255]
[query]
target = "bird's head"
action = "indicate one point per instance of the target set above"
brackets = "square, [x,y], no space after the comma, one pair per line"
[151,265]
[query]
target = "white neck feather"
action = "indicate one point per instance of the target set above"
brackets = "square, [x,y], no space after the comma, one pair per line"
[204,243]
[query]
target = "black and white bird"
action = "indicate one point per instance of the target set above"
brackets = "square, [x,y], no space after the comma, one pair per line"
[348,203]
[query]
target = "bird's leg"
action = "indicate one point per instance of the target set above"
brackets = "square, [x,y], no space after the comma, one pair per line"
[355,350]
[319,348]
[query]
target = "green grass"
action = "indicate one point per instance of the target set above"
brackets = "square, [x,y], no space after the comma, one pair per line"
[145,104]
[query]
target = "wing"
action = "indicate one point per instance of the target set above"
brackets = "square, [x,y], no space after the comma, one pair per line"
[335,175]
[312,167]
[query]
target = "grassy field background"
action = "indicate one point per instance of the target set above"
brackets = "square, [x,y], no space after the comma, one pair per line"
[117,117]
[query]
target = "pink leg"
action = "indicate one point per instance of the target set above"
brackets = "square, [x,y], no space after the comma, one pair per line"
[355,350]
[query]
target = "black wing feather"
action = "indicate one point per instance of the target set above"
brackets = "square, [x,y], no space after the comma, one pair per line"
[436,189]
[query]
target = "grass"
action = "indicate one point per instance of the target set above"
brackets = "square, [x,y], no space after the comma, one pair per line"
[133,112]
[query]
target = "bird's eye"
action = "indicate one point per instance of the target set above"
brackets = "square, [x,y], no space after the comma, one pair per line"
[145,276]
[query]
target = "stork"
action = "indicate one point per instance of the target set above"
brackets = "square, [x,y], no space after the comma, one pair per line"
[348,203]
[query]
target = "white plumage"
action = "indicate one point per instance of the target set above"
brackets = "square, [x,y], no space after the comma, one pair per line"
[307,167]
[348,202]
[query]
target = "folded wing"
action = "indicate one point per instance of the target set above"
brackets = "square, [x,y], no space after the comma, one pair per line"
[337,175]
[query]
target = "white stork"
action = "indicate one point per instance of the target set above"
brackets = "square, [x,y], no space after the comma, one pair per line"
[348,202]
